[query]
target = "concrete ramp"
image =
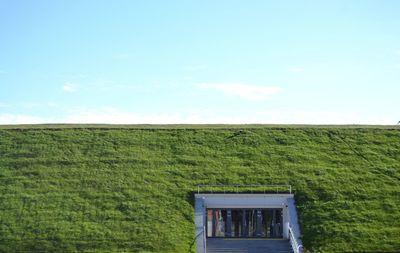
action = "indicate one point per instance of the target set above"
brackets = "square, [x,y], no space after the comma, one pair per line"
[217,245]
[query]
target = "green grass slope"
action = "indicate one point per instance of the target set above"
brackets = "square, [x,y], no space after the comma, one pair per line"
[130,189]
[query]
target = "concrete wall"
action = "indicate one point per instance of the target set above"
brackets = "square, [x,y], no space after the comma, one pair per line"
[244,200]
[200,223]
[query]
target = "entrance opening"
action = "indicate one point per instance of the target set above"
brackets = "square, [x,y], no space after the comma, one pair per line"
[239,223]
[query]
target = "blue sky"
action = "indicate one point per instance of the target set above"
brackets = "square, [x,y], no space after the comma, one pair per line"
[225,61]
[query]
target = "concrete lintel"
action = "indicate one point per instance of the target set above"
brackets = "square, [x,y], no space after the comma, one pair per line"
[252,195]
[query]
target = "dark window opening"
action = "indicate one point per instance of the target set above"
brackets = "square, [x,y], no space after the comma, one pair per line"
[244,223]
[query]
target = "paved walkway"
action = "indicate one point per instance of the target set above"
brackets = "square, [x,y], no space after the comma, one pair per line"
[217,245]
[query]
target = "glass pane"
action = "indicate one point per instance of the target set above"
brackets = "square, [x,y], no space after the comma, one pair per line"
[209,223]
[266,223]
[236,223]
[278,223]
[251,222]
[220,223]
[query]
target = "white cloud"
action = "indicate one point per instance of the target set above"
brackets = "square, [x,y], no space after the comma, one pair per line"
[245,91]
[69,87]
[296,70]
[109,115]
[11,119]
[320,118]
[51,104]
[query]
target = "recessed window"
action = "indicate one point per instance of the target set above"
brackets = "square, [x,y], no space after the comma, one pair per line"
[237,223]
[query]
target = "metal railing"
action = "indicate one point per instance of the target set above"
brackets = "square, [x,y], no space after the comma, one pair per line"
[204,239]
[203,232]
[297,248]
[239,188]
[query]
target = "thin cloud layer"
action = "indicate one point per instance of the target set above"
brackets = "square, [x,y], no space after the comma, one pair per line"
[110,115]
[244,91]
[68,87]
[10,119]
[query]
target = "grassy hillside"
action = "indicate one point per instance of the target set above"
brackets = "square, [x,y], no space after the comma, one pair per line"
[130,189]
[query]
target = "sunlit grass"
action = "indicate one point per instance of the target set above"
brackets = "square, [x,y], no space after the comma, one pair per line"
[131,189]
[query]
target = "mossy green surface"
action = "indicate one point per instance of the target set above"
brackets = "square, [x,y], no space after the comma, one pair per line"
[131,189]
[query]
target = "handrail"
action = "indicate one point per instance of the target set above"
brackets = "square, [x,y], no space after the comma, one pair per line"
[237,186]
[204,239]
[297,248]
[198,234]
[194,241]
